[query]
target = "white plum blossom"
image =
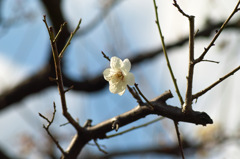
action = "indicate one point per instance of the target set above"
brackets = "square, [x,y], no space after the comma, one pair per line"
[118,75]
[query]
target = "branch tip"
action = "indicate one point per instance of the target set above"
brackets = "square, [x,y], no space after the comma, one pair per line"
[105,56]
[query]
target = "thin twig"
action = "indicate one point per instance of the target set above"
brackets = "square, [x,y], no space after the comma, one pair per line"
[47,128]
[46,24]
[105,56]
[60,30]
[64,124]
[195,96]
[135,95]
[217,62]
[70,38]
[70,88]
[179,9]
[166,55]
[44,117]
[139,91]
[99,147]
[135,127]
[55,141]
[179,139]
[236,9]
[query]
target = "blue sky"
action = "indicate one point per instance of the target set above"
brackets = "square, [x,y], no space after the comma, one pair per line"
[23,51]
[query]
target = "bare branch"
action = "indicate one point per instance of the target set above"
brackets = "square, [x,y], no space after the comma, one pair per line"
[105,56]
[217,62]
[135,127]
[48,126]
[188,98]
[160,108]
[195,96]
[70,38]
[70,88]
[166,55]
[99,147]
[59,78]
[60,31]
[135,95]
[139,91]
[179,139]
[218,32]
[179,9]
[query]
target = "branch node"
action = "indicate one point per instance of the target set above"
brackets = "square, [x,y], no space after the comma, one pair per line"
[115,125]
[88,123]
[52,79]
[70,88]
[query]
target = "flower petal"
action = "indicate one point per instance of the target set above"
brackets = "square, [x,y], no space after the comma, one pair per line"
[126,66]
[113,88]
[107,74]
[117,87]
[130,79]
[121,88]
[115,62]
[121,93]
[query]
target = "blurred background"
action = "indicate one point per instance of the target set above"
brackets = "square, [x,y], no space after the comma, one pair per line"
[127,29]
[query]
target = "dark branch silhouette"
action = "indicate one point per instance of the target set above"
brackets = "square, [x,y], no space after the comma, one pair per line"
[160,108]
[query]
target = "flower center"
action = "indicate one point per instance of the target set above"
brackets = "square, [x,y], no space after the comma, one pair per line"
[119,75]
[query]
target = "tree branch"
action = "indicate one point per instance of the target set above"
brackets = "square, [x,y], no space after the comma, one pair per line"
[188,98]
[166,55]
[39,81]
[58,72]
[218,32]
[160,108]
[195,96]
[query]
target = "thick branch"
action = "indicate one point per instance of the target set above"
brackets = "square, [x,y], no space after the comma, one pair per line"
[76,145]
[160,108]
[29,86]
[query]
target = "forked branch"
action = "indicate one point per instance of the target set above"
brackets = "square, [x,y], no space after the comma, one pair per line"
[59,80]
